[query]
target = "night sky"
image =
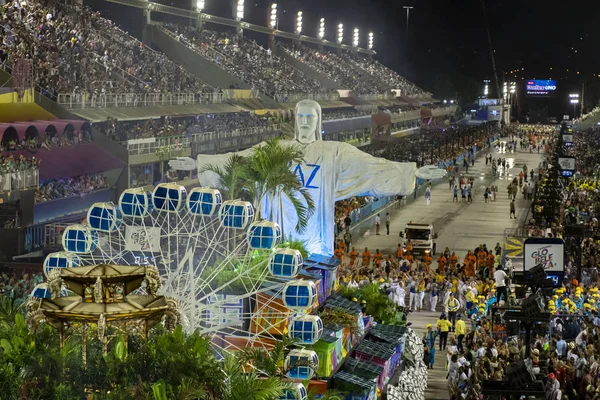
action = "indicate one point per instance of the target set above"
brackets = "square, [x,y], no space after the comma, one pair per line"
[447,50]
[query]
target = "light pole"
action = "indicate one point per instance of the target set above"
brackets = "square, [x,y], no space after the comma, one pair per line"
[574,99]
[340,36]
[408,8]
[273,20]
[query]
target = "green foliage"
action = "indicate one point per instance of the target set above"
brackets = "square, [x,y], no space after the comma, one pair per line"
[379,306]
[336,316]
[166,366]
[295,245]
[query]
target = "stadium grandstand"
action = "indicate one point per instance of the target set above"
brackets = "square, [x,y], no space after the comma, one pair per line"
[94,110]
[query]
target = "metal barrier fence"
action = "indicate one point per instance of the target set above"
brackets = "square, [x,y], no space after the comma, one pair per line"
[107,100]
[20,180]
[150,145]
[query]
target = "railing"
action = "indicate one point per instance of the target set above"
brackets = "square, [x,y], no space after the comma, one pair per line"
[150,145]
[108,100]
[20,180]
[383,96]
[294,98]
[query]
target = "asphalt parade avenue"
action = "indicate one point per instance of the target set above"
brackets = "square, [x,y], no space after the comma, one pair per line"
[460,227]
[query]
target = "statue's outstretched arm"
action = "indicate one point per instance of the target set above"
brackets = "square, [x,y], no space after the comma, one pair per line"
[361,174]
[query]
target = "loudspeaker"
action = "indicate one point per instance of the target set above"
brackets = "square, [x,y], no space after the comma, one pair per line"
[512,328]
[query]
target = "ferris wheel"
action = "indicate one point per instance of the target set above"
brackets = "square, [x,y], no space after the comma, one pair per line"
[229,273]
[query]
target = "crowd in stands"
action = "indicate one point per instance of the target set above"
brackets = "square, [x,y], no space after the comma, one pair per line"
[10,163]
[331,114]
[126,130]
[247,60]
[17,287]
[76,51]
[361,75]
[72,186]
[388,77]
[587,115]
[48,142]
[430,146]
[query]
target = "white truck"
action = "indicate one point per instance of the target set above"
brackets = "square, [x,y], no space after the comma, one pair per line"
[421,237]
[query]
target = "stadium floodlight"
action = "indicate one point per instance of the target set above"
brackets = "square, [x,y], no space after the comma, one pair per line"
[299,23]
[513,87]
[574,101]
[340,37]
[370,40]
[445,101]
[356,38]
[574,95]
[273,16]
[322,28]
[451,101]
[240,10]
[200,5]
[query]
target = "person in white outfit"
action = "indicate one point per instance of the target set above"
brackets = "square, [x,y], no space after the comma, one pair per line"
[414,296]
[433,299]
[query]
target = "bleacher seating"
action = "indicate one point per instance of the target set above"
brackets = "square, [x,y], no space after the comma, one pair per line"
[247,60]
[78,52]
[362,75]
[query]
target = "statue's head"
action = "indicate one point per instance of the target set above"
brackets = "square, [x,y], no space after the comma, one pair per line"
[308,121]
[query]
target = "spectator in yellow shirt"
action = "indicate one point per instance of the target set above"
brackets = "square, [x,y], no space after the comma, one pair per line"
[443,326]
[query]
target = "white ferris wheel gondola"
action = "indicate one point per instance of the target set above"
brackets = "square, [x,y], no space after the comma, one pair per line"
[80,239]
[61,259]
[307,329]
[104,217]
[204,201]
[285,263]
[169,197]
[264,235]
[135,203]
[236,214]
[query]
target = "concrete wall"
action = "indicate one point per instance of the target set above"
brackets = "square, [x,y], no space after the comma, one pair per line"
[308,71]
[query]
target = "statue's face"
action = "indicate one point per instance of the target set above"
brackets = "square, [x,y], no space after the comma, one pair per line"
[307,119]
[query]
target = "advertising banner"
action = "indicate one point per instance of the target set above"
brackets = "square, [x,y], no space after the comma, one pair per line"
[540,87]
[549,252]
[141,238]
[567,165]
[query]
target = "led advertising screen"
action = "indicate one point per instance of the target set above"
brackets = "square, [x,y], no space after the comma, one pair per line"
[567,165]
[540,87]
[549,252]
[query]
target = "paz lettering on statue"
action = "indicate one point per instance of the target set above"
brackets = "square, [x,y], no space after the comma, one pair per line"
[332,171]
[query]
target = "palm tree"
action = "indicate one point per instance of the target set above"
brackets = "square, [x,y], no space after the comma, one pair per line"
[269,169]
[242,385]
[232,177]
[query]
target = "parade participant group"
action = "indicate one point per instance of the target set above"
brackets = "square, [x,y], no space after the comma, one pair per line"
[461,289]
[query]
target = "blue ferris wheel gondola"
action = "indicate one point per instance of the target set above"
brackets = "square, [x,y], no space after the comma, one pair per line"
[301,364]
[296,391]
[285,263]
[204,201]
[236,214]
[61,259]
[307,329]
[41,291]
[80,239]
[169,197]
[300,295]
[104,217]
[135,203]
[264,235]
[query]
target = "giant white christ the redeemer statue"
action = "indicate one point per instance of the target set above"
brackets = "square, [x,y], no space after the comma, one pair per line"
[331,171]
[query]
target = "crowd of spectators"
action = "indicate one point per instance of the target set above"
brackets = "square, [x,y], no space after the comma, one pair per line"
[10,163]
[167,126]
[48,142]
[388,77]
[361,75]
[247,60]
[67,187]
[76,51]
[331,114]
[430,146]
[17,287]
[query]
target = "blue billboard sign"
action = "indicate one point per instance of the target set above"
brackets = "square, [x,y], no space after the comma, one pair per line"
[540,87]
